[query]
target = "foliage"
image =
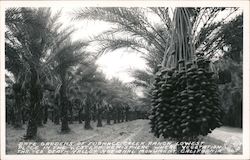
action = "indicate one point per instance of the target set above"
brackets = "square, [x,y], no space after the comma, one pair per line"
[152,38]
[230,71]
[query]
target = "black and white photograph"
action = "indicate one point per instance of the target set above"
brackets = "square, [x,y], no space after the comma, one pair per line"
[124,80]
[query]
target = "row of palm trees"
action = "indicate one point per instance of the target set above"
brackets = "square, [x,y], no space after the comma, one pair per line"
[44,65]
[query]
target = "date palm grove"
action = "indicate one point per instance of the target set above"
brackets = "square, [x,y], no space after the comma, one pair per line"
[194,67]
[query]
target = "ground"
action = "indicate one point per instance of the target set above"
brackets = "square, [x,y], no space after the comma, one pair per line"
[132,131]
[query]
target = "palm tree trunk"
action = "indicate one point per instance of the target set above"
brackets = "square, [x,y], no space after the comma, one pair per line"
[118,116]
[64,125]
[56,110]
[108,117]
[64,106]
[35,99]
[71,114]
[18,115]
[108,121]
[115,115]
[53,116]
[64,111]
[94,116]
[45,114]
[32,127]
[17,106]
[99,121]
[57,118]
[80,116]
[122,115]
[40,117]
[87,116]
[23,116]
[18,120]
[87,122]
[99,118]
[126,114]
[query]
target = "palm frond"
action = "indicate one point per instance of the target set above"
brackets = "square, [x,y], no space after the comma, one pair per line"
[131,20]
[111,43]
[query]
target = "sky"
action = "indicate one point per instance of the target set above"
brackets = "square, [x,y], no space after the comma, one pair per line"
[116,64]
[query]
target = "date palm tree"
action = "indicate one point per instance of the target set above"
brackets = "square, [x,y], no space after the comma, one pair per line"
[29,36]
[86,82]
[68,54]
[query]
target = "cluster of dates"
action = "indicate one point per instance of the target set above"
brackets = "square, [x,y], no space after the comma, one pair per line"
[185,101]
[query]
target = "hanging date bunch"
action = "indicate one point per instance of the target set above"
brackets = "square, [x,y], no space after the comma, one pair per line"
[185,99]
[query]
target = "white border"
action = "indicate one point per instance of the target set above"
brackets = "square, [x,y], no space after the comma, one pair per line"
[244,4]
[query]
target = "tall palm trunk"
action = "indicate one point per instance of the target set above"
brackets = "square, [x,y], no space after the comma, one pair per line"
[87,119]
[40,117]
[87,115]
[126,114]
[56,110]
[109,113]
[99,117]
[80,116]
[71,113]
[35,99]
[18,115]
[118,115]
[56,117]
[64,105]
[45,119]
[115,115]
[94,116]
[17,106]
[122,115]
[24,114]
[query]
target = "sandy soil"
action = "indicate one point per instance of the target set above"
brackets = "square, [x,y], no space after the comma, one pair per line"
[133,131]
